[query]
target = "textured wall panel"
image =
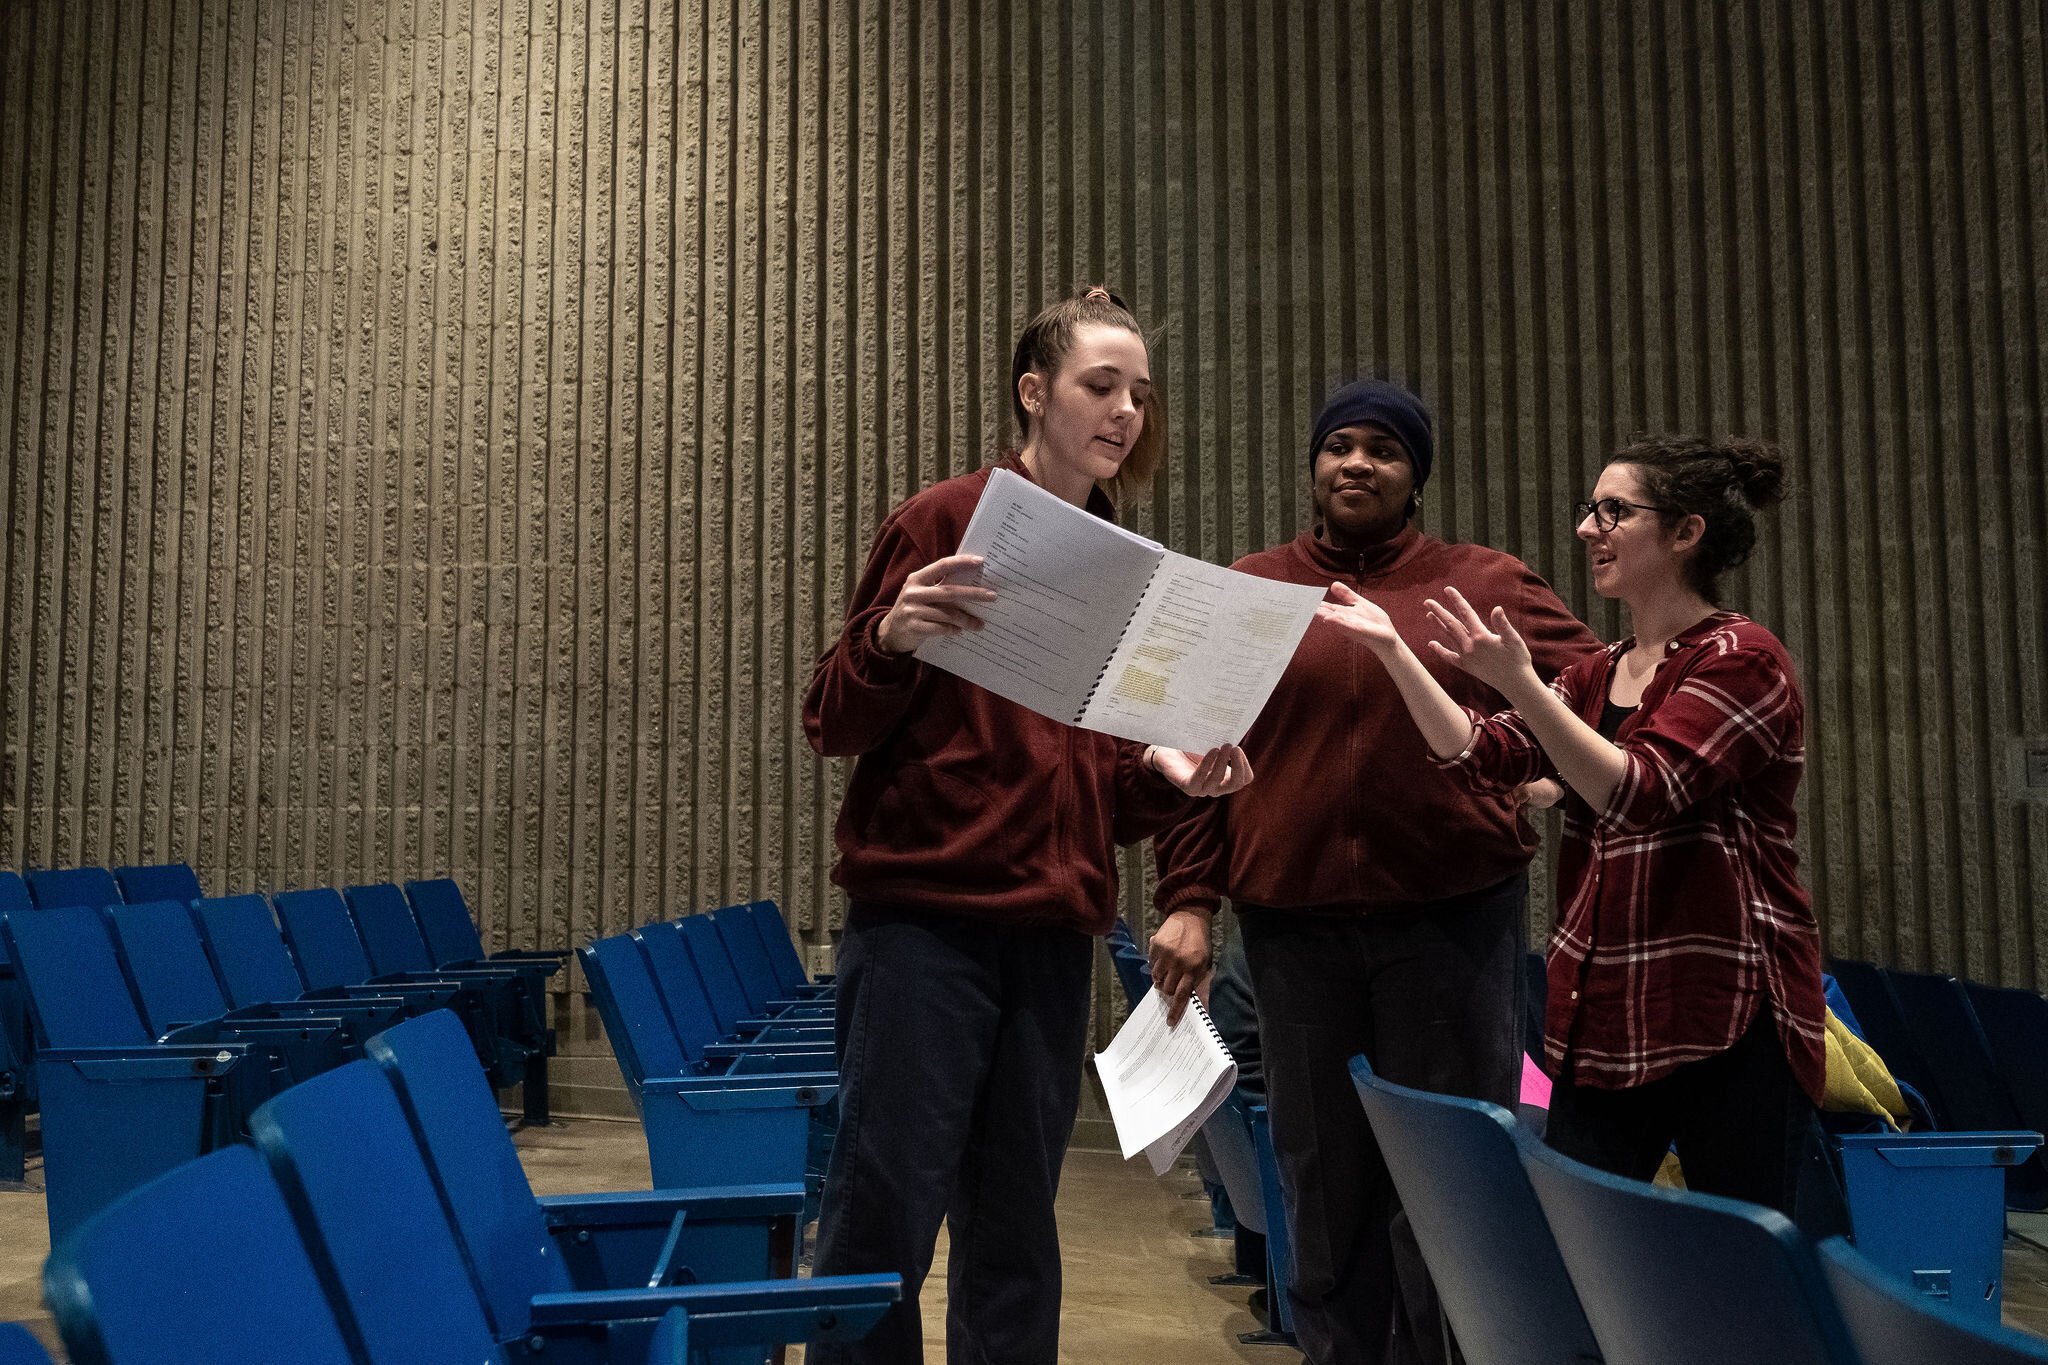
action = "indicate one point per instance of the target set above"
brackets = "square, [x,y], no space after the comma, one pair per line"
[440,434]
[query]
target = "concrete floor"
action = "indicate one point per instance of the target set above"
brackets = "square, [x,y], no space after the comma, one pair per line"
[1136,1279]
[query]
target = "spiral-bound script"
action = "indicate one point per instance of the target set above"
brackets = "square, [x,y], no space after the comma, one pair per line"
[1162,1082]
[1099,627]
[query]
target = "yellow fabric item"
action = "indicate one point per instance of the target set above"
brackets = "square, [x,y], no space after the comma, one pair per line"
[1858,1081]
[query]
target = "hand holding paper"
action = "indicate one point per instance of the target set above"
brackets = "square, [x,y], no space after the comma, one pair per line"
[1163,1081]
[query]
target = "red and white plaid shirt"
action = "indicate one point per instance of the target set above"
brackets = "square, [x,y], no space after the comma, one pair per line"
[1680,907]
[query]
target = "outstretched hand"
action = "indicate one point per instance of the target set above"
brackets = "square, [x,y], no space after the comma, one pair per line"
[928,606]
[1360,616]
[1221,771]
[1491,650]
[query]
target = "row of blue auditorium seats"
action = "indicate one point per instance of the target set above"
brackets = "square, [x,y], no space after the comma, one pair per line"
[160,1027]
[1539,1258]
[386,1218]
[725,1046]
[1977,1054]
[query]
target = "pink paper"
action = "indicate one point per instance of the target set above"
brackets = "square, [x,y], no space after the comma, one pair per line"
[1535,1085]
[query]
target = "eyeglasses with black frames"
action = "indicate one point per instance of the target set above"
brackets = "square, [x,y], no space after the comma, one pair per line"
[1607,513]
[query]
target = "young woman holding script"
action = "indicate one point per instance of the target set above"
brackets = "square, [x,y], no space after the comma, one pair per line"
[977,848]
[1685,994]
[1383,904]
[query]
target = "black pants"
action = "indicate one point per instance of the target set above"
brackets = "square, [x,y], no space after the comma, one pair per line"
[960,1050]
[1742,1124]
[1432,997]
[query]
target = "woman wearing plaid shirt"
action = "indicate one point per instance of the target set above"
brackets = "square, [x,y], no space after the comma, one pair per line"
[1685,998]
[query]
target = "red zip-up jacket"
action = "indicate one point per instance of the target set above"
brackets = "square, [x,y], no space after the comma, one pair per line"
[1347,813]
[961,802]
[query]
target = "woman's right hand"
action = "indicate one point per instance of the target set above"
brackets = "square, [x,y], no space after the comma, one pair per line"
[1361,616]
[928,606]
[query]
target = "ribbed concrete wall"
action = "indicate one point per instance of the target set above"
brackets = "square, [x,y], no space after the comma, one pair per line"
[440,435]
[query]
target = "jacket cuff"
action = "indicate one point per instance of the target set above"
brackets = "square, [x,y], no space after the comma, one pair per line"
[1198,899]
[871,663]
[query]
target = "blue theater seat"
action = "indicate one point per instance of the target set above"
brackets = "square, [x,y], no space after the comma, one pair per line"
[774,934]
[522,1246]
[730,1005]
[18,1347]
[331,957]
[396,948]
[673,964]
[158,882]
[1458,1170]
[756,971]
[1891,1324]
[451,933]
[176,985]
[715,1120]
[1973,1094]
[153,1278]
[57,888]
[1685,1279]
[345,1155]
[121,1105]
[17,1042]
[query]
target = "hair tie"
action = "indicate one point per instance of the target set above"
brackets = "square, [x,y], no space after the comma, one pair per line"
[1098,292]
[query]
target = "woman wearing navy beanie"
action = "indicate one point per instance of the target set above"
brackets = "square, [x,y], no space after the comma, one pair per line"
[1384,903]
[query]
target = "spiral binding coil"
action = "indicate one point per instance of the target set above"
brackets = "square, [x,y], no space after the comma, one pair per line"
[1103,672]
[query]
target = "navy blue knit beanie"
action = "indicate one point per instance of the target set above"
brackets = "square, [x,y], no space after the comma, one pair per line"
[1385,405]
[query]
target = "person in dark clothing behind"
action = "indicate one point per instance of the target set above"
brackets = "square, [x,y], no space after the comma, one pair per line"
[977,849]
[1384,904]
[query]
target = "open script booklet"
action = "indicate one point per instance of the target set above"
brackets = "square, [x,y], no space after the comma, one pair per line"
[1163,1082]
[1101,628]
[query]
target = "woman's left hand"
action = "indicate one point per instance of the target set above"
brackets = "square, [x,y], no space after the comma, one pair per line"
[1491,650]
[1180,958]
[1221,771]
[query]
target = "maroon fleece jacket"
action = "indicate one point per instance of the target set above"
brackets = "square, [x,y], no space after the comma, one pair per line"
[961,802]
[1346,813]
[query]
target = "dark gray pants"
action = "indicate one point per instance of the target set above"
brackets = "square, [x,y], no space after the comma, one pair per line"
[1432,997]
[960,1051]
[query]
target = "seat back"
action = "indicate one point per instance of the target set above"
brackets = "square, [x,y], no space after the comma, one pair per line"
[743,948]
[58,887]
[773,931]
[714,969]
[158,882]
[343,1153]
[1948,1038]
[390,934]
[1683,1278]
[13,897]
[1489,1249]
[248,952]
[170,1272]
[17,1347]
[1891,1325]
[2015,1024]
[1133,973]
[168,964]
[74,980]
[1228,1135]
[323,938]
[674,969]
[434,1071]
[445,920]
[630,1006]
